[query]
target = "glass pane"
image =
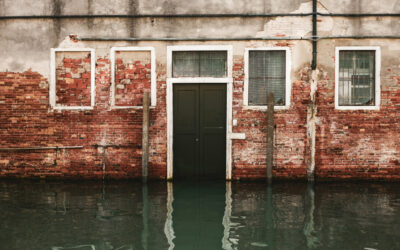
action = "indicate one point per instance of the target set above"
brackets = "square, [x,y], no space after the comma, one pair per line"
[356,78]
[199,64]
[213,64]
[185,63]
[267,74]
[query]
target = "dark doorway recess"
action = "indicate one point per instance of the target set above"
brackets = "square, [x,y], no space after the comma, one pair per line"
[199,131]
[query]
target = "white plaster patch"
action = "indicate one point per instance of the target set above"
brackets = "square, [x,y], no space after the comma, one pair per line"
[296,26]
[68,43]
[384,150]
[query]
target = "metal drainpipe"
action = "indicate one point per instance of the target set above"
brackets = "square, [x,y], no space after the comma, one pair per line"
[174,39]
[312,108]
[156,16]
[314,36]
[201,15]
[359,14]
[40,148]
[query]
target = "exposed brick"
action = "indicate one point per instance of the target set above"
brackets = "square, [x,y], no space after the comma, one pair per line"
[27,122]
[72,87]
[349,144]
[132,79]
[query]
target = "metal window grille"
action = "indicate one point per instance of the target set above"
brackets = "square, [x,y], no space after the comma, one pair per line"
[199,63]
[356,78]
[267,74]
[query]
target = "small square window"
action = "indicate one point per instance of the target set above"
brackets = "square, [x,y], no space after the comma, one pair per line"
[356,78]
[199,63]
[267,70]
[72,85]
[133,72]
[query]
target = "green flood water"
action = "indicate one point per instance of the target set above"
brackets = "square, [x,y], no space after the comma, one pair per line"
[201,215]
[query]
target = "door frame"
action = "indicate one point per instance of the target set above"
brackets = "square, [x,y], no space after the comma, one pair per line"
[228,80]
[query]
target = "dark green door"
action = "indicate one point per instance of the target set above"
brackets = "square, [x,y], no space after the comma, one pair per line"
[199,131]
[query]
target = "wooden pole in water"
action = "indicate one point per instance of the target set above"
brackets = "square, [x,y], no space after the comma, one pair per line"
[270,136]
[145,136]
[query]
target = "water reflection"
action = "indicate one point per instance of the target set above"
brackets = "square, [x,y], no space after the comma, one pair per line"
[309,229]
[201,215]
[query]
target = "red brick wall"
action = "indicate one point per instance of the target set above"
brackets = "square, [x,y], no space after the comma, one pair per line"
[132,78]
[73,78]
[359,144]
[27,120]
[290,155]
[349,144]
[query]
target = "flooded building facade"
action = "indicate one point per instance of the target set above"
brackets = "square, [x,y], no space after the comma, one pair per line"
[73,75]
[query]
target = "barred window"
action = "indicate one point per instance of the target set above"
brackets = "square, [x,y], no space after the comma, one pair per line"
[356,78]
[199,64]
[267,73]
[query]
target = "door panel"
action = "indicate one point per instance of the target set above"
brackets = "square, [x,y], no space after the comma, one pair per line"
[199,130]
[186,126]
[213,156]
[213,130]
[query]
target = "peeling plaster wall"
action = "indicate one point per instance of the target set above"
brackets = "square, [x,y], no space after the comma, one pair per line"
[27,49]
[359,144]
[310,134]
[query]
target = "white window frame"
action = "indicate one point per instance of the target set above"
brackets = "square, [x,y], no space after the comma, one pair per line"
[288,83]
[204,80]
[153,87]
[53,80]
[377,50]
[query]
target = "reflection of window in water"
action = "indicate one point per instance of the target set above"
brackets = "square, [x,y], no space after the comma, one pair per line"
[78,247]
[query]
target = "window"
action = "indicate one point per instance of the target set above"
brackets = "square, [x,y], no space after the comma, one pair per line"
[357,75]
[72,85]
[267,70]
[199,63]
[133,71]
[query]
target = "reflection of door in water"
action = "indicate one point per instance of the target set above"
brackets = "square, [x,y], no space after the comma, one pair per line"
[199,130]
[198,211]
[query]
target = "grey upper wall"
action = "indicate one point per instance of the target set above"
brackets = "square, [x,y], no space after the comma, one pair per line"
[65,7]
[26,43]
[362,6]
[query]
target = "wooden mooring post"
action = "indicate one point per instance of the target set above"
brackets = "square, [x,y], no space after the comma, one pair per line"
[145,136]
[270,136]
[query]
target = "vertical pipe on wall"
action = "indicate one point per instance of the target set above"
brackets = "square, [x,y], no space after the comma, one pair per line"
[314,35]
[312,108]
[145,136]
[270,136]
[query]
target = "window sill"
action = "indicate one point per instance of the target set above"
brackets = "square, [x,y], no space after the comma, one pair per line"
[371,108]
[130,107]
[247,107]
[76,108]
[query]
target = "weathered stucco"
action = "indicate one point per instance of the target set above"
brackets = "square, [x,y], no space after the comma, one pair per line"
[28,40]
[310,134]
